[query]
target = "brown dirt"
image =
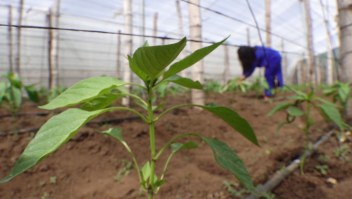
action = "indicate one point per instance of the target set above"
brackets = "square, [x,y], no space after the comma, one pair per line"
[85,166]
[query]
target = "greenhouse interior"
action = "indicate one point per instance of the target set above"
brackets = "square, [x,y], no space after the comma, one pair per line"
[175,99]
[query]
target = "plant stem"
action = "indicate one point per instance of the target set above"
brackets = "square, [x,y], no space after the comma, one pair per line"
[152,144]
[13,118]
[306,132]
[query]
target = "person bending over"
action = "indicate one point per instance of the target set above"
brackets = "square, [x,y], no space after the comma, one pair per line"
[258,56]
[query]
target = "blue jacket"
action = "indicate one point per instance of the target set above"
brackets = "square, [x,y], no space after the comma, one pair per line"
[271,60]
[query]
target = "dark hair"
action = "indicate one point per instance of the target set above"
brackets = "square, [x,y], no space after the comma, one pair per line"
[247,57]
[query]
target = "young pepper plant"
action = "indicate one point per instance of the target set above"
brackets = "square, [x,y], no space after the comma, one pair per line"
[11,94]
[148,63]
[325,108]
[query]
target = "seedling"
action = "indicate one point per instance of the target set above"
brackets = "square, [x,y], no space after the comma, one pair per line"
[342,152]
[323,158]
[267,195]
[234,192]
[53,179]
[326,109]
[126,169]
[11,93]
[148,63]
[322,169]
[212,86]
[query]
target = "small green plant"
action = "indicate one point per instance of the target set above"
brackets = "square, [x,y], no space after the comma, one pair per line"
[323,158]
[127,167]
[231,188]
[322,168]
[342,152]
[148,63]
[259,85]
[267,195]
[212,86]
[46,195]
[326,109]
[11,95]
[53,179]
[341,93]
[49,94]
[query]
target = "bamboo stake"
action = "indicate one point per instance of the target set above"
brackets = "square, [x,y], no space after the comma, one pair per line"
[118,63]
[183,54]
[9,38]
[18,38]
[311,62]
[127,5]
[155,28]
[50,64]
[54,18]
[195,25]
[345,19]
[226,75]
[329,78]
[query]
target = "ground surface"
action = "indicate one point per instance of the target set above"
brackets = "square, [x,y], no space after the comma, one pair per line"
[85,167]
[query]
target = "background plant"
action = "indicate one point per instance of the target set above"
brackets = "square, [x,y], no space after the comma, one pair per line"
[148,63]
[11,95]
[325,108]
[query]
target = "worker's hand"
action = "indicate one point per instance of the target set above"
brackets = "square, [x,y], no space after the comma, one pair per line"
[239,80]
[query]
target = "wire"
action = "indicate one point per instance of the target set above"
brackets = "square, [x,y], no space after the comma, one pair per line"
[241,21]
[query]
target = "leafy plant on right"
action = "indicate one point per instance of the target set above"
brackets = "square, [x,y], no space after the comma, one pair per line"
[303,107]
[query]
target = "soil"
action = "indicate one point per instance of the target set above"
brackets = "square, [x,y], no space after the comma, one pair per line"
[87,166]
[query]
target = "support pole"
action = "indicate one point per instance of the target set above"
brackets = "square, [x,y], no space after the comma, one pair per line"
[54,18]
[183,54]
[345,20]
[118,62]
[195,25]
[226,75]
[18,41]
[329,78]
[311,61]
[155,28]
[127,77]
[9,38]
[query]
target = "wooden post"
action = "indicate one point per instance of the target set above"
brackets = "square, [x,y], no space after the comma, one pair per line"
[329,78]
[9,38]
[118,62]
[18,38]
[284,63]
[248,37]
[127,77]
[318,70]
[268,22]
[54,18]
[141,4]
[226,75]
[311,62]
[345,19]
[155,28]
[195,25]
[50,38]
[180,34]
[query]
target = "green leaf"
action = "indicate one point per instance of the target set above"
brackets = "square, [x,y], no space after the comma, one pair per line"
[332,114]
[310,94]
[159,182]
[294,111]
[326,102]
[296,97]
[85,90]
[234,120]
[329,91]
[188,83]
[279,107]
[145,44]
[160,106]
[53,134]
[16,82]
[146,171]
[16,96]
[229,160]
[32,93]
[2,90]
[154,59]
[298,92]
[114,132]
[191,59]
[280,125]
[134,68]
[100,102]
[179,146]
